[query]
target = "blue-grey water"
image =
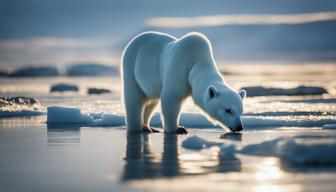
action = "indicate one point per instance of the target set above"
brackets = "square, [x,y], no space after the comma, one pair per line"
[35,157]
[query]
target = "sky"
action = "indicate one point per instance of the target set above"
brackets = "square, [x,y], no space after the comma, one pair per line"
[66,31]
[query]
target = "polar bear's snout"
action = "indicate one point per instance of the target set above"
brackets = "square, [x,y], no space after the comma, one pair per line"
[238,127]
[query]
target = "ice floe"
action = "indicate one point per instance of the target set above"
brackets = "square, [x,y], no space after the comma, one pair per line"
[35,72]
[91,70]
[74,116]
[329,126]
[269,91]
[97,91]
[32,71]
[297,151]
[197,143]
[307,151]
[20,107]
[62,87]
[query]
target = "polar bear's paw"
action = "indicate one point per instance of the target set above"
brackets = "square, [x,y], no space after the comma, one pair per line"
[181,130]
[147,129]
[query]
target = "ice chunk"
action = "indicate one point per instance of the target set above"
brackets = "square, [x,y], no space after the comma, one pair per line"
[20,106]
[4,73]
[308,150]
[227,151]
[197,143]
[267,148]
[301,90]
[61,87]
[91,70]
[105,119]
[231,136]
[70,115]
[298,151]
[20,113]
[329,126]
[67,115]
[35,71]
[97,91]
[4,101]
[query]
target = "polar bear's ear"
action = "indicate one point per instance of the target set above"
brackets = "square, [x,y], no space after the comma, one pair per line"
[212,91]
[242,94]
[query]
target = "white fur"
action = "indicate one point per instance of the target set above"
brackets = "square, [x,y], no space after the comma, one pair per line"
[158,66]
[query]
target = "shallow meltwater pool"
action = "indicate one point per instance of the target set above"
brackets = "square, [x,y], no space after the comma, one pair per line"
[35,157]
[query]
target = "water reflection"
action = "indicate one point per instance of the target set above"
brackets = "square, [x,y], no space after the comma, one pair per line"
[140,162]
[229,164]
[170,161]
[63,135]
[232,136]
[143,163]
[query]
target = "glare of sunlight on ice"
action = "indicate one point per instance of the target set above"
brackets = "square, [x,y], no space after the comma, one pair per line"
[276,188]
[268,169]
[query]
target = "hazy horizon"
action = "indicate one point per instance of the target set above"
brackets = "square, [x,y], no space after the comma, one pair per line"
[59,33]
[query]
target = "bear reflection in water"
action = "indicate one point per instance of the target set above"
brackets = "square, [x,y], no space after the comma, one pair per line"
[143,163]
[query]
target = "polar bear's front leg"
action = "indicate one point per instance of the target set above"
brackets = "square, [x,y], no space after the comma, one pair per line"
[171,106]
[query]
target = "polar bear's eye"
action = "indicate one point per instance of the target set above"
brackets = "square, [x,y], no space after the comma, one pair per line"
[228,111]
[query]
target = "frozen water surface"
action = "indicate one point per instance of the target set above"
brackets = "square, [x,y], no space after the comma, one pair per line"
[288,143]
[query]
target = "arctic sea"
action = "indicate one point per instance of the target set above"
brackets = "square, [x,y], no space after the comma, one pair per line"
[288,143]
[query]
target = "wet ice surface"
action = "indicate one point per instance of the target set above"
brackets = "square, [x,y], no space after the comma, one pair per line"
[35,157]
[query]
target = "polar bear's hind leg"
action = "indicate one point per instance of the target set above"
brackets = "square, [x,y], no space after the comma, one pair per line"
[134,106]
[148,114]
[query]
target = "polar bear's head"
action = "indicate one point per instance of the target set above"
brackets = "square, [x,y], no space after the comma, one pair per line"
[225,106]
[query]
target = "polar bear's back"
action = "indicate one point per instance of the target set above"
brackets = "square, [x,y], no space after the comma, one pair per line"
[141,61]
[154,59]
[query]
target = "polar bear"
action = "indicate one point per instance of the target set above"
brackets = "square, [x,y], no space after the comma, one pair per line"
[159,67]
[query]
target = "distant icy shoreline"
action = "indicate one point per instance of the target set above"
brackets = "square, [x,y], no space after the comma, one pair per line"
[90,69]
